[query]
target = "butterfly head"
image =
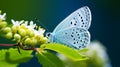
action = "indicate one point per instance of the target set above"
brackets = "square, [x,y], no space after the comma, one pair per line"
[49,36]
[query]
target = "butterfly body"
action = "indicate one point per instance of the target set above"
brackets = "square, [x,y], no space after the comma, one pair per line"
[73,30]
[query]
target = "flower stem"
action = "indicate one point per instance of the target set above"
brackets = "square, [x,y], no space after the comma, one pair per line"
[19,45]
[7,45]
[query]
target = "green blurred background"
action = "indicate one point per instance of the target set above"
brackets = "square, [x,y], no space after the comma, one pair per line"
[105,19]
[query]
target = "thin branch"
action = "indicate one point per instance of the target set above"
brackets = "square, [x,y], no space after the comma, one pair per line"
[20,45]
[7,45]
[24,48]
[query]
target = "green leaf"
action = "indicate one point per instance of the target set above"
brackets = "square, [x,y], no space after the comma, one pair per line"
[67,51]
[3,62]
[48,59]
[12,58]
[83,50]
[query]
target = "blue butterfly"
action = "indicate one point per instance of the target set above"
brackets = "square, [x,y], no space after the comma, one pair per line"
[73,30]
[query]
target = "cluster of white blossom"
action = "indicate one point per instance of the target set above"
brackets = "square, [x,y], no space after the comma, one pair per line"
[97,57]
[22,31]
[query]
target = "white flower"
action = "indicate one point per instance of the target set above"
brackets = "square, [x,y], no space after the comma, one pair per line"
[31,26]
[16,23]
[26,23]
[98,48]
[100,51]
[95,51]
[39,32]
[2,17]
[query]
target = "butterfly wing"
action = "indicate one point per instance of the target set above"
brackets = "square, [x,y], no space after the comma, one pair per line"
[75,37]
[80,18]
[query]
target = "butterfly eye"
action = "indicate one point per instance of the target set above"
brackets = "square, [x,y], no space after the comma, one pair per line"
[48,34]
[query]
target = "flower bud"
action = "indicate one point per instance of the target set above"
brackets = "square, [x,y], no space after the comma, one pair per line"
[3,24]
[14,29]
[27,41]
[9,35]
[0,11]
[22,32]
[31,33]
[33,42]
[17,37]
[38,37]
[6,29]
[43,40]
[23,26]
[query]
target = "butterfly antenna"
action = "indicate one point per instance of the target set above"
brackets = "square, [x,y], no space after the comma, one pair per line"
[41,23]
